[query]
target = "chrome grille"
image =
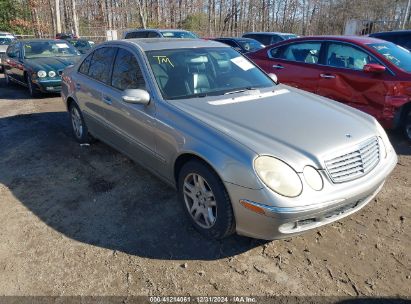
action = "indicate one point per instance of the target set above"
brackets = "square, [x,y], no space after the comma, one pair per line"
[356,163]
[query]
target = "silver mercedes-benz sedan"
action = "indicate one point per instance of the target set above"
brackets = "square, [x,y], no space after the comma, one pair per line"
[245,154]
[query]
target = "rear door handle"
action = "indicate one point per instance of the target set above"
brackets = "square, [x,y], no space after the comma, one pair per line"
[327,76]
[278,66]
[107,100]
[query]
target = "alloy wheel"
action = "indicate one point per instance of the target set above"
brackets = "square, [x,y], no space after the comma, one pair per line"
[30,86]
[200,200]
[76,122]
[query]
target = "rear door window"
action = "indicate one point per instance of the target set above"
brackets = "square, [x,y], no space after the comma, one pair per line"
[153,35]
[275,52]
[275,39]
[140,34]
[264,39]
[307,52]
[100,65]
[126,72]
[85,65]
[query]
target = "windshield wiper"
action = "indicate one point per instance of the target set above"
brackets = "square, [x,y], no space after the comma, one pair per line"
[201,95]
[241,90]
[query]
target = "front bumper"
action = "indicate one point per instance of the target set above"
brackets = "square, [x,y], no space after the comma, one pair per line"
[284,222]
[48,86]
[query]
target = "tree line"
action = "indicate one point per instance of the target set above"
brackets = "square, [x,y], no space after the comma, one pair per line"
[44,18]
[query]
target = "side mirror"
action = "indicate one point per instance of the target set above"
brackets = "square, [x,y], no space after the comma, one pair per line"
[136,96]
[274,78]
[374,68]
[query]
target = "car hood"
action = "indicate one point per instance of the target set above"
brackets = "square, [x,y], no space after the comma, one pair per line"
[299,127]
[51,63]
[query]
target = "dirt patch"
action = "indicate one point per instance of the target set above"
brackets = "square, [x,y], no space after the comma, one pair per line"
[87,221]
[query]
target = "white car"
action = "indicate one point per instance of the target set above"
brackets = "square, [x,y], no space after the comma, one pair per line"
[5,40]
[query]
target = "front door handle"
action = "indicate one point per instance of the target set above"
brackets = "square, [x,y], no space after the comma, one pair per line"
[327,76]
[278,66]
[107,100]
[78,86]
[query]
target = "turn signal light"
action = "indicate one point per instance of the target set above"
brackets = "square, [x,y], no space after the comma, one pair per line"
[252,207]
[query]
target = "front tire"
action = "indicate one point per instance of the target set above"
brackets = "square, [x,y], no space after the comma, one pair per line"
[78,125]
[6,78]
[205,200]
[32,90]
[407,126]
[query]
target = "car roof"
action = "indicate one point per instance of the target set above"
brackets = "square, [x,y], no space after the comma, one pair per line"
[6,34]
[151,44]
[155,30]
[391,33]
[268,33]
[42,40]
[236,38]
[352,39]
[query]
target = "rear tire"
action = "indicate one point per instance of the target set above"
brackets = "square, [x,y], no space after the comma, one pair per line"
[78,125]
[205,200]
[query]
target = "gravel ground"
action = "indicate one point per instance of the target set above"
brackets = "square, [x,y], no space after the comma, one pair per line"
[85,220]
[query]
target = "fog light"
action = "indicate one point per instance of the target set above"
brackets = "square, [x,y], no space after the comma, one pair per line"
[313,178]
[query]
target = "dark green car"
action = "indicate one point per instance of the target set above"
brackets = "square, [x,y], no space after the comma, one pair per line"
[38,64]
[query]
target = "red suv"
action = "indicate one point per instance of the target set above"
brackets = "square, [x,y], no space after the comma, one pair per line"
[369,74]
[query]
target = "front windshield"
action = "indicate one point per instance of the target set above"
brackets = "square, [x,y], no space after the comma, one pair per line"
[250,45]
[199,72]
[178,34]
[5,40]
[397,55]
[40,49]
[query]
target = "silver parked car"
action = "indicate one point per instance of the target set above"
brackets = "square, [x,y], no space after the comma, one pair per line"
[245,154]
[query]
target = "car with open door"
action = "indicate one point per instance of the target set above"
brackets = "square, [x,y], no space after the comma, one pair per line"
[245,154]
[366,73]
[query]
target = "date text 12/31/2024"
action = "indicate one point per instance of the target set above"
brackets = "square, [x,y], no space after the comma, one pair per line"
[202,299]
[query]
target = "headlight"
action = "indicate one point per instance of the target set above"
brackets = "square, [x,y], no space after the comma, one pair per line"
[52,74]
[278,176]
[41,74]
[313,178]
[387,148]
